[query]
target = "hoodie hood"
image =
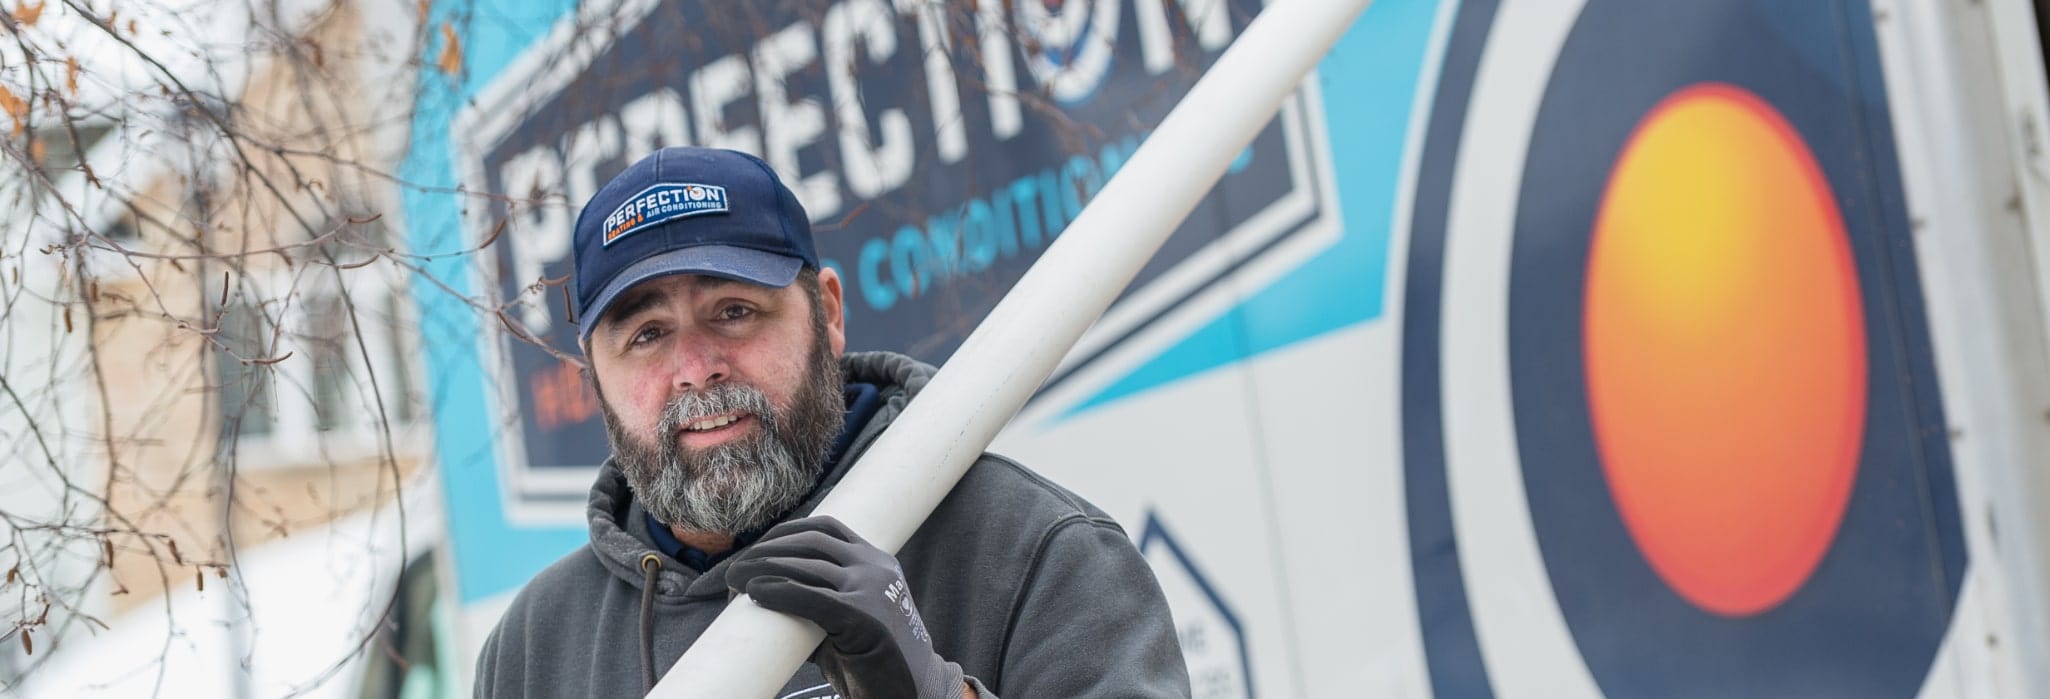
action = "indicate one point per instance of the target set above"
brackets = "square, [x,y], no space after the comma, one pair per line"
[619,529]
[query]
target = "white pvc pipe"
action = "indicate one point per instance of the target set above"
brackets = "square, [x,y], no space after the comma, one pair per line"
[749,651]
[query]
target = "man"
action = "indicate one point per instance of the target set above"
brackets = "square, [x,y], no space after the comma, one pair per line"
[715,342]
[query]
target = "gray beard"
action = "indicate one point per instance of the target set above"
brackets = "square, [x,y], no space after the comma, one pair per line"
[741,486]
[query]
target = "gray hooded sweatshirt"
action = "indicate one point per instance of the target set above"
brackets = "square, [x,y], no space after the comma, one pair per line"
[1032,590]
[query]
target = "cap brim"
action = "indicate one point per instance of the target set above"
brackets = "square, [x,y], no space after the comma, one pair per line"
[725,261]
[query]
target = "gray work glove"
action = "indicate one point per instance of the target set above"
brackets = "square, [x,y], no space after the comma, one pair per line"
[876,645]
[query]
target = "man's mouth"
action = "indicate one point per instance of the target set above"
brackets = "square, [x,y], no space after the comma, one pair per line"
[712,423]
[716,427]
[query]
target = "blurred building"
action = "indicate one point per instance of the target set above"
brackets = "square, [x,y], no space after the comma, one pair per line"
[226,353]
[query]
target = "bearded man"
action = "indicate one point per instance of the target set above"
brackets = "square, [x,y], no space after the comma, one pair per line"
[716,344]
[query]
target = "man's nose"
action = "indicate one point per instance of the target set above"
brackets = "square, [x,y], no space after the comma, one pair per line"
[698,367]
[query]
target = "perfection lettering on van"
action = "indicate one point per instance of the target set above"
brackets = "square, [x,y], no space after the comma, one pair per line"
[1066,56]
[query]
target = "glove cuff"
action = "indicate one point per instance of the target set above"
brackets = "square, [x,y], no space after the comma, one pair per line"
[943,679]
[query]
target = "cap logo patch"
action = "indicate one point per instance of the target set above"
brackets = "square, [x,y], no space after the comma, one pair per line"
[663,202]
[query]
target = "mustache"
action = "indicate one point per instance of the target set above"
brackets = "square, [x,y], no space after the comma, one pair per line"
[720,399]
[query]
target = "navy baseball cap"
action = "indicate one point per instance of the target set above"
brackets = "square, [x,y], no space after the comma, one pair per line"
[688,211]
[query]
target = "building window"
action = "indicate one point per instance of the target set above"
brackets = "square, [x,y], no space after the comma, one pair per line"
[320,403]
[326,339]
[244,386]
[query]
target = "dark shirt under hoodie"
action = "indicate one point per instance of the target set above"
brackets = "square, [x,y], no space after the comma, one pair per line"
[1032,590]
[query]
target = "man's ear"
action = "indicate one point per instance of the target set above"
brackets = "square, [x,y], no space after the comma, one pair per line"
[829,302]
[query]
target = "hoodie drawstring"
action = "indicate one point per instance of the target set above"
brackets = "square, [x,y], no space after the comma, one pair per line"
[650,565]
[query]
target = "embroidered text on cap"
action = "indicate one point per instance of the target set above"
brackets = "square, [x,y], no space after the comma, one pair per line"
[663,202]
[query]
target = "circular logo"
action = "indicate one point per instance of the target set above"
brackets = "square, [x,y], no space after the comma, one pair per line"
[1071,44]
[1670,424]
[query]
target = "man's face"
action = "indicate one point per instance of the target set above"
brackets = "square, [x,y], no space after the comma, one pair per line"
[720,398]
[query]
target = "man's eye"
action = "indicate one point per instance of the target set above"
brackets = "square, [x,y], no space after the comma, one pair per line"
[735,312]
[645,336]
